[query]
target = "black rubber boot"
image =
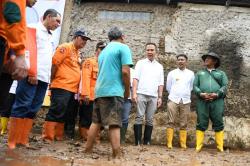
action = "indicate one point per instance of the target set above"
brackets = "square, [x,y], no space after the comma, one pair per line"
[147,135]
[69,131]
[138,133]
[123,132]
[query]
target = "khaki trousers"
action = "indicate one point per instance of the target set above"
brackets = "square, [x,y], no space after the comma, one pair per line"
[175,111]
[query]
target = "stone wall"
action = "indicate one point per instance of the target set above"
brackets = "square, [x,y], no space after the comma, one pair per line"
[187,28]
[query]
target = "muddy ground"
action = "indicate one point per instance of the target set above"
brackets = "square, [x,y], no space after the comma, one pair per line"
[71,153]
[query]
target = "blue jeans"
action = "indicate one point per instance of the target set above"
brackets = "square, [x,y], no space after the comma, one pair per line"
[127,105]
[29,99]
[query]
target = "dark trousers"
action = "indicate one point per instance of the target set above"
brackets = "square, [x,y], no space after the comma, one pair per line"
[70,117]
[2,52]
[210,110]
[85,114]
[29,99]
[60,100]
[5,107]
[5,84]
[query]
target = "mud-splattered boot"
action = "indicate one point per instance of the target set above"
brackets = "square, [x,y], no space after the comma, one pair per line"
[183,139]
[16,127]
[219,136]
[4,123]
[59,131]
[49,131]
[199,140]
[24,137]
[169,135]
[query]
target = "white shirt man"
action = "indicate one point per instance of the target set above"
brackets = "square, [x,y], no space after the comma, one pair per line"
[147,92]
[30,91]
[150,76]
[179,86]
[44,51]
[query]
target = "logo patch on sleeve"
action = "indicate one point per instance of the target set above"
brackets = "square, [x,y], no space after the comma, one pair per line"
[62,50]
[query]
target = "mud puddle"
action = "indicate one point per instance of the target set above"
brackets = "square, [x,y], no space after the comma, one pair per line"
[11,158]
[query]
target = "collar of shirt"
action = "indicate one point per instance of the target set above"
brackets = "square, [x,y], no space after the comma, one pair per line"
[182,70]
[154,61]
[210,70]
[43,28]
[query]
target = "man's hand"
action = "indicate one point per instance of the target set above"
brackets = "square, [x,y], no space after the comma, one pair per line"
[205,96]
[32,80]
[19,68]
[159,102]
[212,96]
[134,98]
[209,96]
[85,99]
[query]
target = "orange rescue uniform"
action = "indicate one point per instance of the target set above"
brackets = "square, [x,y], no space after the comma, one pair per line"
[68,75]
[89,77]
[13,25]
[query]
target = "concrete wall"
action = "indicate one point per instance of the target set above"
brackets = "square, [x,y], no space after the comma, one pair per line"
[188,28]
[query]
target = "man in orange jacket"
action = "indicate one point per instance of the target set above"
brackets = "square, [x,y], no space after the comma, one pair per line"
[12,37]
[7,99]
[12,44]
[65,79]
[87,96]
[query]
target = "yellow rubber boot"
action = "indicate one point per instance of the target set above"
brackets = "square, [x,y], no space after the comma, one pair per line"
[170,135]
[219,136]
[183,139]
[4,123]
[199,140]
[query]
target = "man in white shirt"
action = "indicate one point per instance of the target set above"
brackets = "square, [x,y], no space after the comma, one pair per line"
[147,92]
[179,86]
[31,90]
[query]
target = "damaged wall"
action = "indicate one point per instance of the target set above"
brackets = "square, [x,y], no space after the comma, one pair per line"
[188,28]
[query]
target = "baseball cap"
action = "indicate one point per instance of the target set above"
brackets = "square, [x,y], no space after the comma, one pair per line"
[82,33]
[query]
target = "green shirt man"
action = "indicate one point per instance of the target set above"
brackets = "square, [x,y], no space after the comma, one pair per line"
[210,86]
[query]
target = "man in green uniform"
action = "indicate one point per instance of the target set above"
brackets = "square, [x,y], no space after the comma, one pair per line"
[210,86]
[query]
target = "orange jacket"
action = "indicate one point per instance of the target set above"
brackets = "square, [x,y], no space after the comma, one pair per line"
[68,72]
[89,77]
[13,25]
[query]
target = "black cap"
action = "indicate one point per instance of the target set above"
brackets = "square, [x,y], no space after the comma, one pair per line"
[81,33]
[213,55]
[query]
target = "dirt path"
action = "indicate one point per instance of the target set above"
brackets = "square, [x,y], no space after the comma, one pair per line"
[71,153]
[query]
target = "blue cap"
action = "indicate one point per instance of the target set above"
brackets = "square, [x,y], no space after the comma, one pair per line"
[81,33]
